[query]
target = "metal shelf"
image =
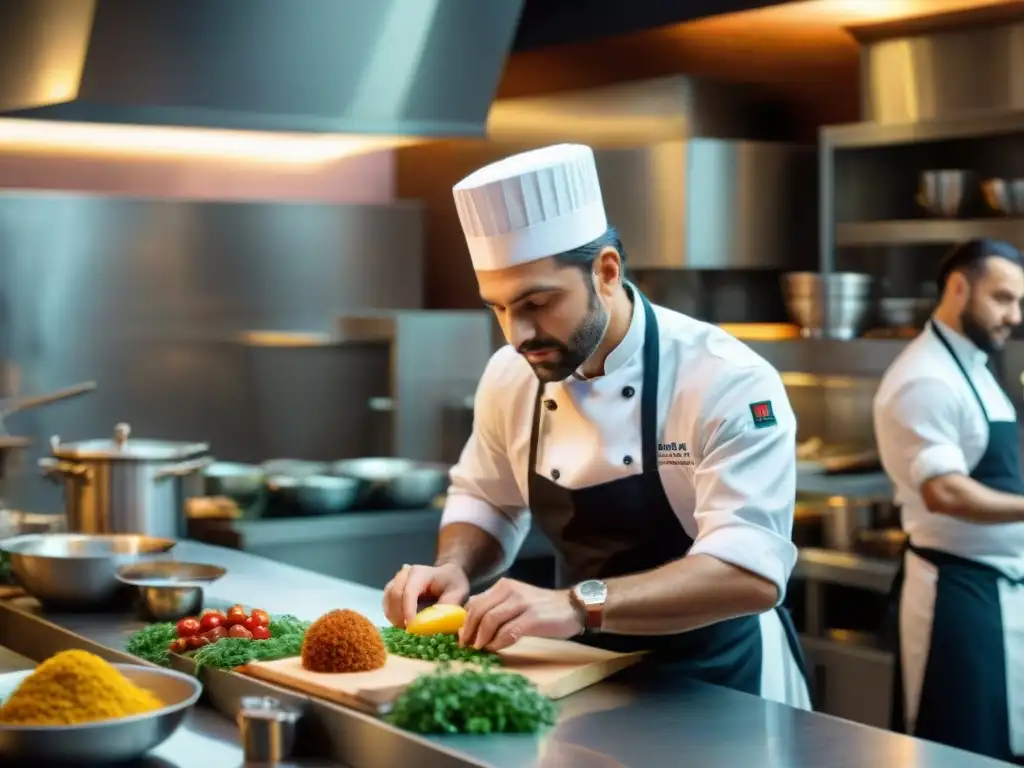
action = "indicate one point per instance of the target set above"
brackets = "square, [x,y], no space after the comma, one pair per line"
[926,232]
[976,125]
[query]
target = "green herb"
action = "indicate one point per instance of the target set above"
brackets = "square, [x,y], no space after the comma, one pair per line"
[472,701]
[287,625]
[433,647]
[152,643]
[6,576]
[286,636]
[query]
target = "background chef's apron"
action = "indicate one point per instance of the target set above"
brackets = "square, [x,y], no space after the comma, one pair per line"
[627,526]
[963,701]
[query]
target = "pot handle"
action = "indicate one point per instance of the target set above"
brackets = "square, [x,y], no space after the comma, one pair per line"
[55,469]
[184,468]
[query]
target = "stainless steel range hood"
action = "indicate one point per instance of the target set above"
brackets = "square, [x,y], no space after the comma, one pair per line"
[394,67]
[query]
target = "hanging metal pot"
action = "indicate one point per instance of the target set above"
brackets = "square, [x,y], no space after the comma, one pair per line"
[127,486]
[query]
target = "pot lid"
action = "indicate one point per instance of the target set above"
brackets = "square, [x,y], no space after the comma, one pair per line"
[121,448]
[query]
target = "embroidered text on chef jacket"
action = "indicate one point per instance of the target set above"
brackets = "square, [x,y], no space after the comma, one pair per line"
[928,423]
[727,462]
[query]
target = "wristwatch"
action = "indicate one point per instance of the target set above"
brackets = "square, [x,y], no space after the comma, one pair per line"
[589,597]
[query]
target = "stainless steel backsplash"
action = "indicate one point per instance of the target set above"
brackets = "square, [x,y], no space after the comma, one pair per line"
[151,298]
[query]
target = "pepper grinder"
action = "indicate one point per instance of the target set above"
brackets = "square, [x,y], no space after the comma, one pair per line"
[267,730]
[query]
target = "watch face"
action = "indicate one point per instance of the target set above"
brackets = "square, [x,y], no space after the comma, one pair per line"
[592,591]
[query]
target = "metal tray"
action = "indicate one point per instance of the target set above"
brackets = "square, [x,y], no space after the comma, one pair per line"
[325,730]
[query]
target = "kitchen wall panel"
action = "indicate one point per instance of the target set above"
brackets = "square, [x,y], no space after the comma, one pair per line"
[151,299]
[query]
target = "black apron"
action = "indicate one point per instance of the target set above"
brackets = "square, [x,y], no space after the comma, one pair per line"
[627,526]
[963,700]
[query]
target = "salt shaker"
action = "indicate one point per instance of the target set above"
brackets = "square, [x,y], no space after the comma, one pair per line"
[267,729]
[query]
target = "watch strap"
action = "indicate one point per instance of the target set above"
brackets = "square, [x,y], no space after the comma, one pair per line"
[591,616]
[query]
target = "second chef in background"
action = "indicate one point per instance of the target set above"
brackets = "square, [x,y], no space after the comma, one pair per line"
[656,452]
[948,438]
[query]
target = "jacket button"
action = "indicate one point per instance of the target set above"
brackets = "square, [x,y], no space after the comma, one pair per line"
[627,460]
[555,474]
[551,405]
[628,392]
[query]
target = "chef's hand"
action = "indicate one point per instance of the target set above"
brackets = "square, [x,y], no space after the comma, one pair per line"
[443,583]
[511,609]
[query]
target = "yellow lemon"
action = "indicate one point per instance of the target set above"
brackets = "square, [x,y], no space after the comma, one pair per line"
[437,620]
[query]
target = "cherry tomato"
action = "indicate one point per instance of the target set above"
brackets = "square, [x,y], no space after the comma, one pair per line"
[239,631]
[211,610]
[251,623]
[261,633]
[179,646]
[211,621]
[262,618]
[236,615]
[197,641]
[188,627]
[215,634]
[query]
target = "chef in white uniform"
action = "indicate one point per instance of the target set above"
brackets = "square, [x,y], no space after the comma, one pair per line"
[948,438]
[655,451]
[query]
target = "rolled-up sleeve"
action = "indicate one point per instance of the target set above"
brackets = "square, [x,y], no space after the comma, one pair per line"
[919,432]
[483,490]
[746,480]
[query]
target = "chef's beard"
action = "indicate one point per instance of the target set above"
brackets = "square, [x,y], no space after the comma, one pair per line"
[583,342]
[976,331]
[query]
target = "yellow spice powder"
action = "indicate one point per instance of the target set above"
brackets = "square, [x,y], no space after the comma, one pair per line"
[75,687]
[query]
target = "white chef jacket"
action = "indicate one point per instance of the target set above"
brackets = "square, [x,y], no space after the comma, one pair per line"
[928,423]
[731,483]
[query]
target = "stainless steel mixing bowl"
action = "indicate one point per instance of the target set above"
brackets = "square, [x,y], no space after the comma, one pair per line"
[77,571]
[396,483]
[225,478]
[905,312]
[835,305]
[326,494]
[168,590]
[105,741]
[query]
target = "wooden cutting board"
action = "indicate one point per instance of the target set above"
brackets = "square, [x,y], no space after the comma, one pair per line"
[556,667]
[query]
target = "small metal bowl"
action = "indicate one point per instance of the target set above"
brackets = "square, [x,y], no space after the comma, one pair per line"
[104,741]
[169,590]
[226,478]
[327,494]
[169,603]
[293,467]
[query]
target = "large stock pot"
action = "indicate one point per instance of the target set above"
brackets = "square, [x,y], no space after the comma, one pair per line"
[124,485]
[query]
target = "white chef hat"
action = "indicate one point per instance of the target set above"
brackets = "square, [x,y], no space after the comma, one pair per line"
[530,206]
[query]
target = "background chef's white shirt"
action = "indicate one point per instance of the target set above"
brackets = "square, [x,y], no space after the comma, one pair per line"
[928,423]
[732,485]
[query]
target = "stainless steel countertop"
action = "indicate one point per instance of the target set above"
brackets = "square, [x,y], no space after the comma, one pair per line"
[635,720]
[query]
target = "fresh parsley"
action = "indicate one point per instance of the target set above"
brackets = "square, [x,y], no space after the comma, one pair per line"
[476,701]
[286,636]
[152,643]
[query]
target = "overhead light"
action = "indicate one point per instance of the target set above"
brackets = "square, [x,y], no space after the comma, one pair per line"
[159,142]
